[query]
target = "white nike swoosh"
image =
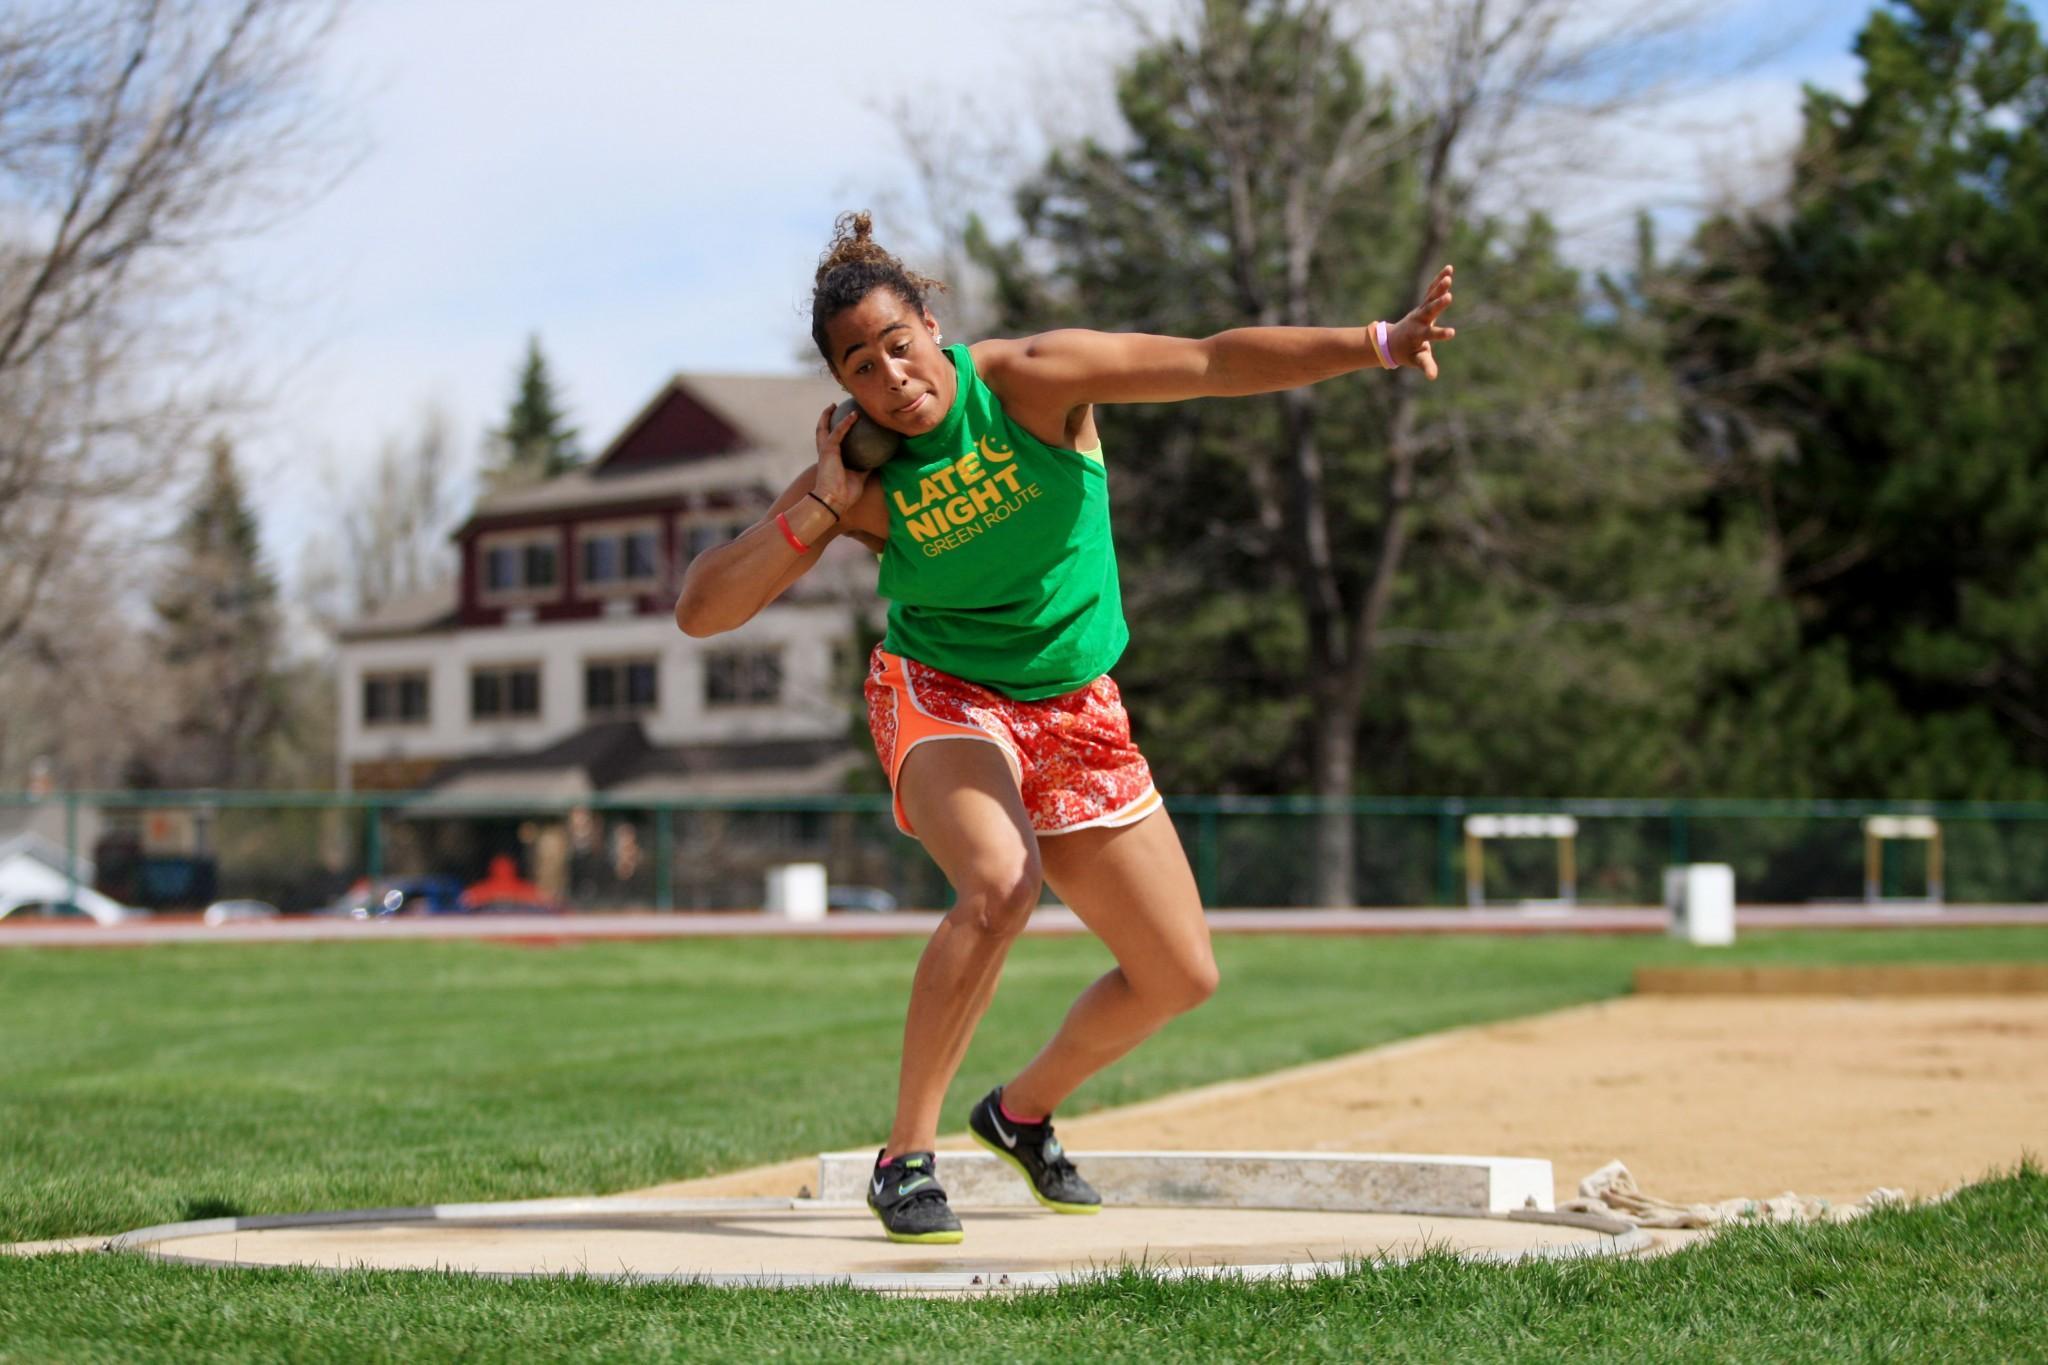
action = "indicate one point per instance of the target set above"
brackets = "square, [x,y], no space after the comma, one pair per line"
[879,1184]
[1009,1139]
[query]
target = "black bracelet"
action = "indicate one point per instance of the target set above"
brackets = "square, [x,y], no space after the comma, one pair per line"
[826,505]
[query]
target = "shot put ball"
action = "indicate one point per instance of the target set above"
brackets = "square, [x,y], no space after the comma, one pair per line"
[869,445]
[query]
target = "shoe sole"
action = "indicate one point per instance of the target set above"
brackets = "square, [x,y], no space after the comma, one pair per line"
[916,1238]
[1055,1205]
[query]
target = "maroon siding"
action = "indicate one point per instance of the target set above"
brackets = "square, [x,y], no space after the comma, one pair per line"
[671,565]
[569,606]
[472,580]
[675,428]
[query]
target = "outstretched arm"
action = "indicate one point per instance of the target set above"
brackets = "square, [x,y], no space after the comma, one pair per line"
[1074,367]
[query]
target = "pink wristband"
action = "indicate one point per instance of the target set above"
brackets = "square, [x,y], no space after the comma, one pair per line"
[1379,342]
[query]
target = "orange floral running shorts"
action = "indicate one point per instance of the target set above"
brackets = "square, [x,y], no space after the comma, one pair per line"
[1071,755]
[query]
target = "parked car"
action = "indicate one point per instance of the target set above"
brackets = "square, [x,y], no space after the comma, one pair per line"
[396,896]
[868,899]
[430,895]
[237,911]
[360,901]
[26,910]
[21,909]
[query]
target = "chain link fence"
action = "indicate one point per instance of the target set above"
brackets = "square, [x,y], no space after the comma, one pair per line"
[307,851]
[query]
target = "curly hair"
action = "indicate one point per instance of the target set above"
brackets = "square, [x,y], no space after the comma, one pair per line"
[854,266]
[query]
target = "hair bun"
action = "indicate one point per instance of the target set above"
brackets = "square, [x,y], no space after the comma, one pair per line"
[853,242]
[853,266]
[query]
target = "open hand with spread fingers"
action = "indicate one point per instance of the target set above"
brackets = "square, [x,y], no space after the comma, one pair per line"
[1410,338]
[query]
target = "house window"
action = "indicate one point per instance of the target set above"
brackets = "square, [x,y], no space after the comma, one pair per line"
[501,570]
[505,692]
[709,535]
[520,566]
[705,536]
[743,678]
[620,556]
[619,687]
[640,555]
[394,699]
[540,566]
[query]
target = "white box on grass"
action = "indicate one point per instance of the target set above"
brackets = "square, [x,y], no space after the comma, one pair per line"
[1701,898]
[797,891]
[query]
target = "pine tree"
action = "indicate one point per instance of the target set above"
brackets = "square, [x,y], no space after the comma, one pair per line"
[1490,584]
[536,441]
[217,641]
[1890,323]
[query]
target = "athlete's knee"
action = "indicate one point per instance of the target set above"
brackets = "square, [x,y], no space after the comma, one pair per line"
[997,903]
[1179,986]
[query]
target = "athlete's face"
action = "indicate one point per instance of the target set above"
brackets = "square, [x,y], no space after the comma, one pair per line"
[886,354]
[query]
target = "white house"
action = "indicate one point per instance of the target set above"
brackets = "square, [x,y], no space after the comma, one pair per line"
[551,666]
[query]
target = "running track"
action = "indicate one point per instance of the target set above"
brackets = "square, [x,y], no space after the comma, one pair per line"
[1050,920]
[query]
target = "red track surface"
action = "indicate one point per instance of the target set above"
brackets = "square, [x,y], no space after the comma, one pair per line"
[1052,920]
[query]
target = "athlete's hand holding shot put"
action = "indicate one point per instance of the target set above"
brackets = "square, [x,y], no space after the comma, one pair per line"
[993,713]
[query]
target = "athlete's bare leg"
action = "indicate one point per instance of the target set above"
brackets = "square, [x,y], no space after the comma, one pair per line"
[964,805]
[1132,886]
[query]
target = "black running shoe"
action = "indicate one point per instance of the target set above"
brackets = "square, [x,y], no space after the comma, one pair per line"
[905,1194]
[1036,1154]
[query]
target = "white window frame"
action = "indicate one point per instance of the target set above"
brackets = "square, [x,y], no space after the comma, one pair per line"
[622,709]
[524,594]
[733,520]
[621,530]
[776,652]
[505,668]
[398,676]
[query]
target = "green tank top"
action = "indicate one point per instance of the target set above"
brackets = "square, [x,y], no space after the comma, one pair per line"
[999,566]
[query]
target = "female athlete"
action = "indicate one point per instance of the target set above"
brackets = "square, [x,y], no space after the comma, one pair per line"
[992,524]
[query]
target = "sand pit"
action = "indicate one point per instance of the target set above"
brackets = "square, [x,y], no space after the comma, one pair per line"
[1704,1098]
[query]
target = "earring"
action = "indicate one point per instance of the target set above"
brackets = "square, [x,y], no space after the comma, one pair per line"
[938,338]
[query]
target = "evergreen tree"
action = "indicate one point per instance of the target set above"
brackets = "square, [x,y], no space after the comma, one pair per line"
[1890,324]
[1496,583]
[217,638]
[536,441]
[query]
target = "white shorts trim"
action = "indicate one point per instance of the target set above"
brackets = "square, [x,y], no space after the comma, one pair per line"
[1128,815]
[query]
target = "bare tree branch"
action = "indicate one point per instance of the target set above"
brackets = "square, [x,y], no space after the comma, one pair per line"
[136,136]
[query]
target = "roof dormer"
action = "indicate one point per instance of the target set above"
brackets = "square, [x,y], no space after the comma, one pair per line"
[676,426]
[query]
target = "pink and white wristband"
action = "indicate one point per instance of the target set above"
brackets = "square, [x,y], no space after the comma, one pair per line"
[1379,342]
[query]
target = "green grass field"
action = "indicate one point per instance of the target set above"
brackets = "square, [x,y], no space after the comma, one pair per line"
[151,1085]
[1965,1280]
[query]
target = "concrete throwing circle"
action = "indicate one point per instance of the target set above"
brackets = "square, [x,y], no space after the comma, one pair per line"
[787,1243]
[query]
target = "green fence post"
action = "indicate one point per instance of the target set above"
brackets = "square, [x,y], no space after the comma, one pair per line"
[71,845]
[1205,855]
[373,841]
[664,858]
[1681,838]
[1446,845]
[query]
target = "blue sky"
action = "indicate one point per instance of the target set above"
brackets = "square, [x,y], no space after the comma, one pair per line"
[646,184]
